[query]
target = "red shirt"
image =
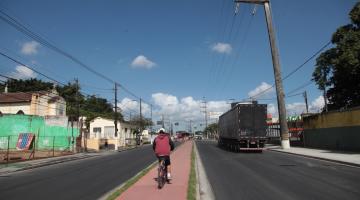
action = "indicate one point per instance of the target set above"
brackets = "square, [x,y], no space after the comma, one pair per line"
[162,145]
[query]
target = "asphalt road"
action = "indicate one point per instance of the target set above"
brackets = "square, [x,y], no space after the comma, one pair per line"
[82,179]
[272,175]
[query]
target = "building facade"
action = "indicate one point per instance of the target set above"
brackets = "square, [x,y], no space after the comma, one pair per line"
[102,133]
[40,103]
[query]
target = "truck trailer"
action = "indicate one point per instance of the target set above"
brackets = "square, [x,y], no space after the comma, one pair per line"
[243,127]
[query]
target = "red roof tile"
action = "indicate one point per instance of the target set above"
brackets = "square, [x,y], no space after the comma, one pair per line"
[15,97]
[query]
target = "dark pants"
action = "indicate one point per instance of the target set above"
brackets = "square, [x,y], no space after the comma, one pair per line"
[165,158]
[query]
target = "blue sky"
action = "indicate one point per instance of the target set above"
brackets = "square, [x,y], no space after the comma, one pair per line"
[173,53]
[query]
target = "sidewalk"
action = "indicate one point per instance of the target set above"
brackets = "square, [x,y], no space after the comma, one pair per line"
[146,187]
[349,158]
[30,164]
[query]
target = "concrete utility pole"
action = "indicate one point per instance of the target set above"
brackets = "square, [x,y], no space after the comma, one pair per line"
[205,112]
[141,122]
[116,108]
[151,119]
[162,119]
[306,102]
[190,126]
[78,108]
[285,143]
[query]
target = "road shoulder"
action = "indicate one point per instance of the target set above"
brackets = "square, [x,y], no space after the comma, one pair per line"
[205,191]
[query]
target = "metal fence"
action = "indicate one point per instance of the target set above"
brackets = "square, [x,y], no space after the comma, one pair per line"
[296,132]
[40,147]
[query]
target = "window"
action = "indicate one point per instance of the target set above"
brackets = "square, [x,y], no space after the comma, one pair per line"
[97,129]
[109,131]
[97,132]
[61,110]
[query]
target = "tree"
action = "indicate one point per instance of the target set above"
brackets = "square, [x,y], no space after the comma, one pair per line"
[28,85]
[98,107]
[142,122]
[212,130]
[73,97]
[339,67]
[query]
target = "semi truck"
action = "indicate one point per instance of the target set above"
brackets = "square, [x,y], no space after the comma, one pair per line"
[243,127]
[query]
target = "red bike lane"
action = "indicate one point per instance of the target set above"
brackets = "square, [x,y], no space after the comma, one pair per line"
[146,187]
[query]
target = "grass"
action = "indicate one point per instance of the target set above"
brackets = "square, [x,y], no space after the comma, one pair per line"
[191,192]
[130,182]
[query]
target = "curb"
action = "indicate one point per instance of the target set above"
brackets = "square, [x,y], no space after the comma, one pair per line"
[204,188]
[47,164]
[318,158]
[57,162]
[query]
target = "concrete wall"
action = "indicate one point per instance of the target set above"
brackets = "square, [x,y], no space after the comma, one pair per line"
[93,144]
[47,132]
[333,130]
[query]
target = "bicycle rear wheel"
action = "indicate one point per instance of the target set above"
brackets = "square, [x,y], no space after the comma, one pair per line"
[161,172]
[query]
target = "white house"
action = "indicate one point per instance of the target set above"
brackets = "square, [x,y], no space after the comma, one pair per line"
[103,130]
[42,103]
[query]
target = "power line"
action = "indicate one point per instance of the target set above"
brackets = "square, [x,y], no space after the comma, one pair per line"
[295,70]
[20,27]
[20,63]
[240,50]
[300,87]
[306,61]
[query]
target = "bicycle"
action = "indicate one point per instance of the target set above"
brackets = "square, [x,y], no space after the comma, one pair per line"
[162,173]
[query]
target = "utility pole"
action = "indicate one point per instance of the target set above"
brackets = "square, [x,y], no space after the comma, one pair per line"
[116,108]
[306,102]
[190,126]
[162,119]
[325,101]
[151,119]
[140,117]
[285,143]
[205,112]
[78,108]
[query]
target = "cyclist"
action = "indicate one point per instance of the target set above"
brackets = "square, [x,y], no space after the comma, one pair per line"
[162,146]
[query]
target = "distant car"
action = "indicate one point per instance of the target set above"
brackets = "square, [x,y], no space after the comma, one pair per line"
[198,137]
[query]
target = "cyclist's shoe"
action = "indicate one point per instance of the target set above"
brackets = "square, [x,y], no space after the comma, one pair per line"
[168,176]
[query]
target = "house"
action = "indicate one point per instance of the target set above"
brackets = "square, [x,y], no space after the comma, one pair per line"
[41,103]
[102,131]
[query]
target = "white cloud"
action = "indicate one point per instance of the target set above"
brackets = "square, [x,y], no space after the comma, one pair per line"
[295,108]
[128,104]
[262,91]
[22,72]
[30,48]
[178,110]
[318,104]
[164,100]
[221,47]
[272,109]
[298,108]
[142,62]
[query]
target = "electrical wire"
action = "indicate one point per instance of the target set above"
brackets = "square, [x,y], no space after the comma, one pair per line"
[20,27]
[295,70]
